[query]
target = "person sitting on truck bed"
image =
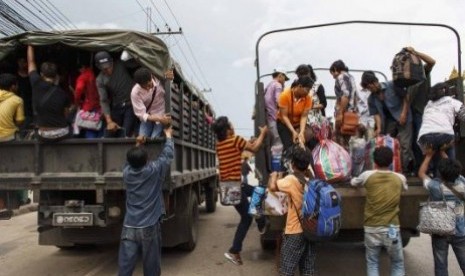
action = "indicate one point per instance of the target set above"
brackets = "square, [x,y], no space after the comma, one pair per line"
[296,251]
[25,92]
[86,94]
[11,107]
[114,85]
[148,101]
[145,208]
[392,115]
[49,101]
[229,148]
[451,186]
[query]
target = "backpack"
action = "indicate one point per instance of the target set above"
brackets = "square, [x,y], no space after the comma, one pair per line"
[407,69]
[321,211]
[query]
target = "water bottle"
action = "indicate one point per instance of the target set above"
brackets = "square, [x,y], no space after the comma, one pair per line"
[255,206]
[392,232]
[276,152]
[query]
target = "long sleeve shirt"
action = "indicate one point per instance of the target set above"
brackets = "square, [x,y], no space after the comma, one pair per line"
[141,99]
[86,94]
[144,199]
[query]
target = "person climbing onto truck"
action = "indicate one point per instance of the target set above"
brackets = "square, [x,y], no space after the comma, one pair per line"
[296,250]
[49,100]
[145,208]
[381,222]
[449,185]
[148,101]
[229,148]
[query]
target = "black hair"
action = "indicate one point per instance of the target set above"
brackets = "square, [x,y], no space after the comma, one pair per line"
[312,73]
[368,77]
[301,158]
[48,70]
[438,91]
[302,70]
[383,156]
[304,81]
[220,127]
[449,169]
[7,81]
[137,157]
[275,75]
[142,76]
[338,66]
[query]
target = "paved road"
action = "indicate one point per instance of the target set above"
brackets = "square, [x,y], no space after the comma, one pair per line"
[20,254]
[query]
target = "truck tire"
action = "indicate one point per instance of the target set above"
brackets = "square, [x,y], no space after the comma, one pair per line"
[211,197]
[192,224]
[405,241]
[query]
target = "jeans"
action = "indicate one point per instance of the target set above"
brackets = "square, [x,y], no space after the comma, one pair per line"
[150,129]
[374,242]
[145,241]
[441,248]
[125,118]
[244,224]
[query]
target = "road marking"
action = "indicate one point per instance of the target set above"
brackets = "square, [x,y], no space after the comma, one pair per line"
[97,269]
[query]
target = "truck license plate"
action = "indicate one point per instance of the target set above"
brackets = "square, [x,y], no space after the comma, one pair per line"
[72,219]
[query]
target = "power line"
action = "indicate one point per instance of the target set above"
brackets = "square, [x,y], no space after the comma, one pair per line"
[146,13]
[45,13]
[161,15]
[53,14]
[40,19]
[62,15]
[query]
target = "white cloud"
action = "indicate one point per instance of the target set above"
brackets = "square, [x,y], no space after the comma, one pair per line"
[243,62]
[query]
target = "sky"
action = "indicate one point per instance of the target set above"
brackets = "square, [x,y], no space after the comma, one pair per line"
[222,35]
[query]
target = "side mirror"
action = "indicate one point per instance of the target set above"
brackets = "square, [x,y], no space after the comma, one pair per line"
[6,214]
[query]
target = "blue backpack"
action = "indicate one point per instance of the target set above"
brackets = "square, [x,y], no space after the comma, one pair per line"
[321,211]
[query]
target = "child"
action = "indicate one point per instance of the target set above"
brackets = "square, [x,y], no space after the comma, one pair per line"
[381,223]
[295,250]
[229,148]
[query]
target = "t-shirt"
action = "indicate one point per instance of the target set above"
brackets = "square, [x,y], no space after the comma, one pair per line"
[49,101]
[295,108]
[383,190]
[272,92]
[437,189]
[345,86]
[439,116]
[294,190]
[229,155]
[11,113]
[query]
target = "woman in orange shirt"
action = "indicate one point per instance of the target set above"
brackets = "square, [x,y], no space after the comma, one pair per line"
[294,104]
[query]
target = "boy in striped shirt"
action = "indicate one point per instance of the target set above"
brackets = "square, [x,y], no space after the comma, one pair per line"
[229,148]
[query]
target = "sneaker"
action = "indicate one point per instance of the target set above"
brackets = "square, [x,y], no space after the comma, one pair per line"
[233,258]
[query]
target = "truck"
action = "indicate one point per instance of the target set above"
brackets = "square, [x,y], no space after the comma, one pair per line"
[353,200]
[77,183]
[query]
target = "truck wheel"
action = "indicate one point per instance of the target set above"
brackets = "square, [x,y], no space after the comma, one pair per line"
[405,241]
[267,244]
[192,225]
[211,197]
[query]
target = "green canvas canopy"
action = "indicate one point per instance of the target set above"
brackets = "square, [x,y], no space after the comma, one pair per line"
[145,48]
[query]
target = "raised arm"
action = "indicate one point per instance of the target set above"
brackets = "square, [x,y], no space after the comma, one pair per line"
[253,147]
[430,62]
[31,64]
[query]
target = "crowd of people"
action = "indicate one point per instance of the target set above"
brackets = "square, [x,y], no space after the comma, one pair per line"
[420,117]
[111,104]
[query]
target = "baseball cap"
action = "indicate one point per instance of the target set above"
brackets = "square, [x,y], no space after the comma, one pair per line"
[103,60]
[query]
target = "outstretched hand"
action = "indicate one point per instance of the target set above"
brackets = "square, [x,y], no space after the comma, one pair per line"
[140,140]
[168,132]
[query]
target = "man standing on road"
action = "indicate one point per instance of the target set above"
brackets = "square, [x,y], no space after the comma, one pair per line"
[144,207]
[229,148]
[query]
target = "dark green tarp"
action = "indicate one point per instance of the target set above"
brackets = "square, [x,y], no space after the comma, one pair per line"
[147,49]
